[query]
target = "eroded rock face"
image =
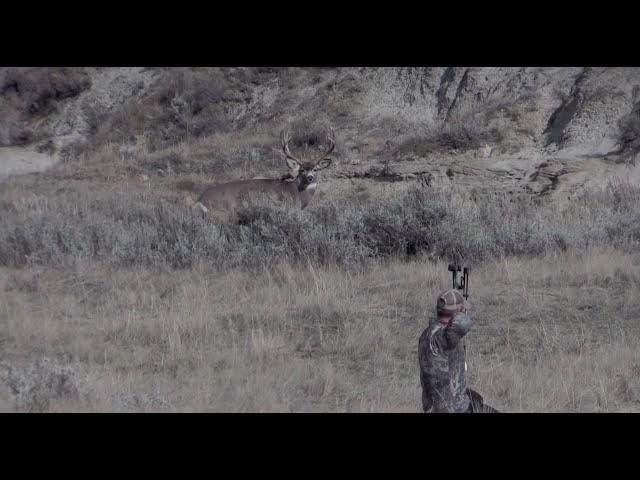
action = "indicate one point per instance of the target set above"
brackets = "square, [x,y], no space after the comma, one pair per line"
[559,107]
[508,119]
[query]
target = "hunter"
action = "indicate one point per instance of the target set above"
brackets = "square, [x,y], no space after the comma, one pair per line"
[442,360]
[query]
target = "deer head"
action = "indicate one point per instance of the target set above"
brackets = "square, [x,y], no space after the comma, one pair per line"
[304,171]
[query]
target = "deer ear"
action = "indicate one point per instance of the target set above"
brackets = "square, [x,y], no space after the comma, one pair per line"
[324,163]
[293,165]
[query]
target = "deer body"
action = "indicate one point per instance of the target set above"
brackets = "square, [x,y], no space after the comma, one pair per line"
[227,196]
[298,185]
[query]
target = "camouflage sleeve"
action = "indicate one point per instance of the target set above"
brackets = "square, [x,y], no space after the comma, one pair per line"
[447,338]
[457,329]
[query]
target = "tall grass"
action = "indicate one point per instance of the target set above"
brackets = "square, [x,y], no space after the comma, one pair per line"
[133,228]
[304,338]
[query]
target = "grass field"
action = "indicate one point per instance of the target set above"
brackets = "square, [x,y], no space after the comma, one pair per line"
[114,296]
[554,333]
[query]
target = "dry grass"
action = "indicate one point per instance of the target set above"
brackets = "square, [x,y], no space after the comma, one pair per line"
[115,297]
[144,222]
[555,333]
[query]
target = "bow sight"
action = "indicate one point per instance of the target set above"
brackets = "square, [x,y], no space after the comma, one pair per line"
[463,285]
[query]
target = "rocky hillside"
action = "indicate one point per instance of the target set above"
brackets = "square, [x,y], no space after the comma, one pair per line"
[525,130]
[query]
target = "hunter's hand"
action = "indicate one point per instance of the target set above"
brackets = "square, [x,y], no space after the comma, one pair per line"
[461,323]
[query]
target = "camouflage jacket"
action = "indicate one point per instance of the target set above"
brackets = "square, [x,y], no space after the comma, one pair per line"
[442,365]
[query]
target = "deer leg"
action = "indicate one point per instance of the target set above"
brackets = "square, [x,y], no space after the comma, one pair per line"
[201,207]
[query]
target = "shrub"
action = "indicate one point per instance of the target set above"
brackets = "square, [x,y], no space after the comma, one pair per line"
[452,136]
[27,94]
[629,134]
[127,232]
[182,103]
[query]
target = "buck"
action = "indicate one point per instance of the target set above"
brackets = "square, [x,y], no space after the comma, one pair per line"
[298,184]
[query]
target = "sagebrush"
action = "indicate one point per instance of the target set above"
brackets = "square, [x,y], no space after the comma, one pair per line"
[125,230]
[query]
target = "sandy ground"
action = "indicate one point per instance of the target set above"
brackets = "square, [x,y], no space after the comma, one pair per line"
[111,87]
[17,160]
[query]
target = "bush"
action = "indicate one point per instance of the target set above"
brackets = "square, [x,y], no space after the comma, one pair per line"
[27,94]
[629,134]
[34,388]
[127,232]
[453,136]
[182,103]
[37,87]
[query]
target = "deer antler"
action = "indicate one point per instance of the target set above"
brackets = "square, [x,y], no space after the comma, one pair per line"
[332,145]
[284,137]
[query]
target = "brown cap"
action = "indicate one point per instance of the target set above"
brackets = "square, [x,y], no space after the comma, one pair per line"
[450,302]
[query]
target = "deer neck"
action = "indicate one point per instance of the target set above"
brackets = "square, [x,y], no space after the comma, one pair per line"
[299,187]
[307,193]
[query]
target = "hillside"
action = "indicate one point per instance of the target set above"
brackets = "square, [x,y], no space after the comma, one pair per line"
[525,130]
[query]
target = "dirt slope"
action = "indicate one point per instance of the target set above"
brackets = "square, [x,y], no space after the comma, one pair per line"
[530,130]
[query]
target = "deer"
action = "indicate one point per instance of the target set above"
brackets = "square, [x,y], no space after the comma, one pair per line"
[299,183]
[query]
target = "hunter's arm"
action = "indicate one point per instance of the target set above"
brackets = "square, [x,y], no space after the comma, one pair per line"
[447,338]
[458,328]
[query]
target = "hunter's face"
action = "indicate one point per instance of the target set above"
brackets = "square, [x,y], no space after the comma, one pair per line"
[444,318]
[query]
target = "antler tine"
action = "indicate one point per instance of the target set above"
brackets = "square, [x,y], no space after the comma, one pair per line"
[332,145]
[284,137]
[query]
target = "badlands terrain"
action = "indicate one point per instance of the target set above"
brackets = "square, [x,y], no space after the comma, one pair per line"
[116,296]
